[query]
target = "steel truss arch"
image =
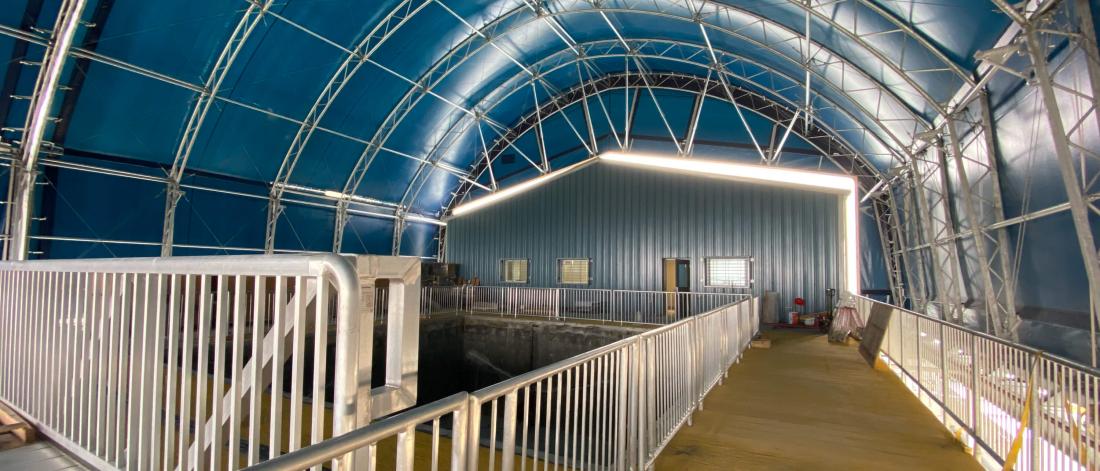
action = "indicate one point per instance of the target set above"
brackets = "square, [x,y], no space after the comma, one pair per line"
[250,19]
[833,60]
[822,140]
[382,31]
[647,49]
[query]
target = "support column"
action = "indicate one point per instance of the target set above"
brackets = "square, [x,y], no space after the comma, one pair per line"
[338,227]
[886,219]
[1079,209]
[274,210]
[943,292]
[172,197]
[24,170]
[398,230]
[996,318]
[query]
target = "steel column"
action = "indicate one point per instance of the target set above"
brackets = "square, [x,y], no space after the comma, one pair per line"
[24,170]
[1079,207]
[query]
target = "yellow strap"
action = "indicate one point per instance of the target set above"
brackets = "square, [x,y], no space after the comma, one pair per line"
[1017,443]
[1076,430]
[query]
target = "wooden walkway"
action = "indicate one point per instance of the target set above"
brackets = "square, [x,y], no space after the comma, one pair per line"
[808,404]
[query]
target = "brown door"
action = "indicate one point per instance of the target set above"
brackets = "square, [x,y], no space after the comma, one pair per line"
[676,279]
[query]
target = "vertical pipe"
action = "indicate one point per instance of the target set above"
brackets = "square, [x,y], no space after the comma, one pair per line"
[186,392]
[278,331]
[239,310]
[508,450]
[320,363]
[259,313]
[298,356]
[202,383]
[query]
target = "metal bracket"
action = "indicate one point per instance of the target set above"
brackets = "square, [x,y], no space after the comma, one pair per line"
[402,329]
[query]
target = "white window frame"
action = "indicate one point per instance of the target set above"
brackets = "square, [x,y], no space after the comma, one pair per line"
[504,271]
[748,275]
[588,270]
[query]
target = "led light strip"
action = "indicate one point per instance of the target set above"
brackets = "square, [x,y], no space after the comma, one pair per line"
[841,185]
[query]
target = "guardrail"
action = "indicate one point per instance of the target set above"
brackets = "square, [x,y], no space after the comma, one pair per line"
[615,407]
[604,305]
[163,363]
[1012,403]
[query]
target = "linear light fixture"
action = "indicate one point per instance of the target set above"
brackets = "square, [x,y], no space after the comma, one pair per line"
[501,195]
[844,186]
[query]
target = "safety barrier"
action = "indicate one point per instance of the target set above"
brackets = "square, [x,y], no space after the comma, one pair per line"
[1011,403]
[615,407]
[164,363]
[603,305]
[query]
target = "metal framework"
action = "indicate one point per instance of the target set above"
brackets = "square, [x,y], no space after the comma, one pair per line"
[1045,26]
[250,19]
[824,141]
[24,171]
[768,81]
[928,161]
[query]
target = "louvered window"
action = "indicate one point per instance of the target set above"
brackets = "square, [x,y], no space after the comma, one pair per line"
[513,270]
[729,272]
[573,271]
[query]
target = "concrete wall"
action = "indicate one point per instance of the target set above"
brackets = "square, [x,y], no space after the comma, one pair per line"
[466,353]
[627,219]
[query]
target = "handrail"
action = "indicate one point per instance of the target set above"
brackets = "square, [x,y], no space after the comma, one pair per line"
[590,304]
[338,446]
[608,411]
[105,356]
[1027,348]
[1017,406]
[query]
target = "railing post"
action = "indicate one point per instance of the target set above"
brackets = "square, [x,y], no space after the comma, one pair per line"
[459,432]
[943,374]
[557,303]
[508,450]
[1035,375]
[975,400]
[473,434]
[406,446]
[920,366]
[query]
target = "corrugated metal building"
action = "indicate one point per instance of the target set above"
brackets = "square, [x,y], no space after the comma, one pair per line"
[627,220]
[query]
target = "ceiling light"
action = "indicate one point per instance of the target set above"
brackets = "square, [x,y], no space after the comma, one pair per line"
[842,185]
[501,195]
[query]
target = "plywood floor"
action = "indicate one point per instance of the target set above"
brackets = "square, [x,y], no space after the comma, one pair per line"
[807,404]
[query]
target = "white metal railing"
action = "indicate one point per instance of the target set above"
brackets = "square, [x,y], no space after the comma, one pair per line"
[400,427]
[615,407]
[156,363]
[605,305]
[999,395]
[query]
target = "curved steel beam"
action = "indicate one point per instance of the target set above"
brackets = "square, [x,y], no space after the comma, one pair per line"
[382,31]
[676,51]
[901,25]
[386,128]
[829,145]
[237,39]
[412,97]
[24,171]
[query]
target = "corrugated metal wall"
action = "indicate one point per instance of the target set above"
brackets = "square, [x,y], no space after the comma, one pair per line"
[626,220]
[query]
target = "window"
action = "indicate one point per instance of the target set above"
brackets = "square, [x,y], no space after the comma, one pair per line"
[573,271]
[729,272]
[513,270]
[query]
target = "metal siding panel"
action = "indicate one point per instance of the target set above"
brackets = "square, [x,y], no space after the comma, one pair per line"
[626,220]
